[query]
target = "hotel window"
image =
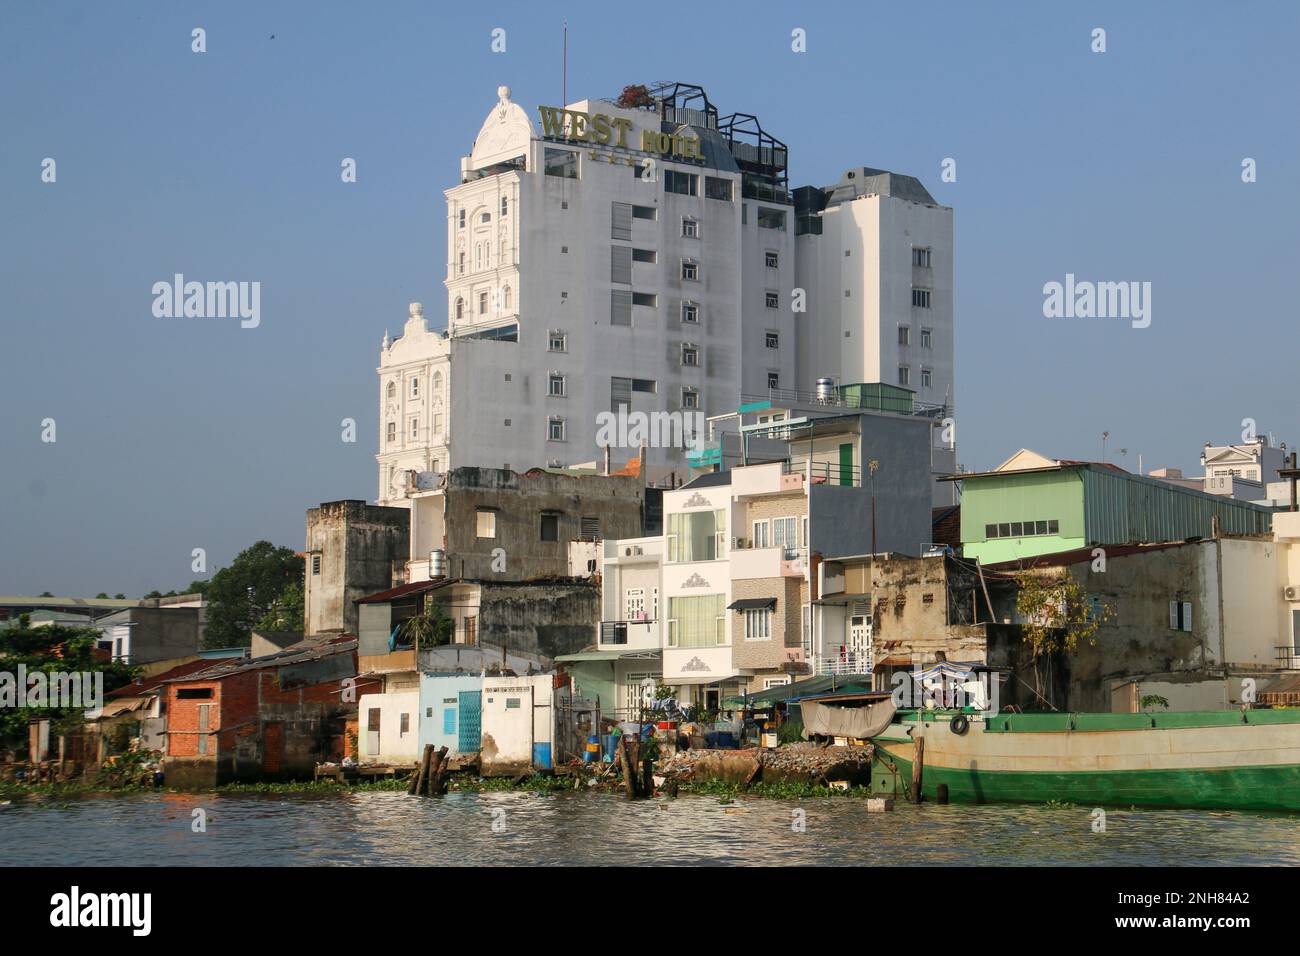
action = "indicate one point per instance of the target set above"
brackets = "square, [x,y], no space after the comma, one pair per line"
[690,398]
[645,212]
[773,380]
[685,184]
[437,425]
[485,523]
[504,205]
[620,265]
[415,387]
[772,340]
[392,432]
[717,188]
[557,342]
[415,429]
[462,219]
[927,378]
[482,303]
[771,259]
[690,270]
[486,217]
[927,337]
[690,229]
[772,300]
[921,298]
[315,564]
[904,335]
[550,526]
[555,385]
[620,220]
[904,375]
[620,307]
[690,312]
[697,621]
[460,308]
[391,391]
[690,355]
[505,298]
[644,255]
[460,264]
[645,298]
[921,258]
[771,218]
[758,624]
[555,428]
[561,162]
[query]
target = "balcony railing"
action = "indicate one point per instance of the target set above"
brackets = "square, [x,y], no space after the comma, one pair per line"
[853,664]
[1287,657]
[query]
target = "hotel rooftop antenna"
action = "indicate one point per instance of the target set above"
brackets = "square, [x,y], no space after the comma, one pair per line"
[564,69]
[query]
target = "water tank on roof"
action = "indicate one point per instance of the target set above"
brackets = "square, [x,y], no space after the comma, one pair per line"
[826,390]
[437,563]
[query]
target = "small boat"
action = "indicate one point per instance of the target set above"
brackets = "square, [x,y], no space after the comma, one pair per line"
[1212,760]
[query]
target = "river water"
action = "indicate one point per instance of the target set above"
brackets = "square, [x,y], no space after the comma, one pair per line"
[359,828]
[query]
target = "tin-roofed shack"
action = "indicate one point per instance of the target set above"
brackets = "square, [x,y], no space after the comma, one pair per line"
[266,718]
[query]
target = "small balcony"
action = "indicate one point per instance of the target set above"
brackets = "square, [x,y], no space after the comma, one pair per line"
[628,635]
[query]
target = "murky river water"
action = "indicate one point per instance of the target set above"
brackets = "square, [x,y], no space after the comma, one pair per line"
[360,828]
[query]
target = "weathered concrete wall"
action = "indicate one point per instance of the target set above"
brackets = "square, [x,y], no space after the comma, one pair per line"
[358,545]
[545,619]
[920,608]
[160,633]
[519,501]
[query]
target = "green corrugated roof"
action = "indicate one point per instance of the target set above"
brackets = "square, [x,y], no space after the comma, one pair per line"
[606,655]
[814,687]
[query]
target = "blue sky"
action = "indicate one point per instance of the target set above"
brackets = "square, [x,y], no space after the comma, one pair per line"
[174,435]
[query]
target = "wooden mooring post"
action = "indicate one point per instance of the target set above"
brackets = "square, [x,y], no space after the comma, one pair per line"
[918,767]
[437,782]
[417,779]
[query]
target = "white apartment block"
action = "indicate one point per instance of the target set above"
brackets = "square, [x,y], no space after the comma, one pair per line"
[643,260]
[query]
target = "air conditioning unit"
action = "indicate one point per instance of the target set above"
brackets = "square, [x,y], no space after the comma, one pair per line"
[1291,593]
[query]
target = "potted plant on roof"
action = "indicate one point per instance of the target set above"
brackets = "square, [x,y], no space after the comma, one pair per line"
[635,96]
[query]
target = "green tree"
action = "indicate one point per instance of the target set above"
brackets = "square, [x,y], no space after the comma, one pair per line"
[1057,616]
[430,628]
[285,612]
[54,648]
[242,594]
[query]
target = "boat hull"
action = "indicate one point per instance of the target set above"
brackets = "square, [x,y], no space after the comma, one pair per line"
[1242,767]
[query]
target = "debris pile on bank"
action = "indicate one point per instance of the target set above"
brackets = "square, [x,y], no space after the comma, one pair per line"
[793,763]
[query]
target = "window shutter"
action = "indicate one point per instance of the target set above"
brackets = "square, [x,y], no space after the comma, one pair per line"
[620,220]
[620,264]
[620,307]
[1173,615]
[1187,615]
[620,393]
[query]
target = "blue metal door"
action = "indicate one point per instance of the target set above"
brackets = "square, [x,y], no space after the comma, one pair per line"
[470,736]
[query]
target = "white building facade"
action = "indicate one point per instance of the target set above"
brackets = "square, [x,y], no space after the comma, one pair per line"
[616,273]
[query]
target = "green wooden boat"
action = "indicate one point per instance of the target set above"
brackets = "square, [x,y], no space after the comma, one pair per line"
[1217,760]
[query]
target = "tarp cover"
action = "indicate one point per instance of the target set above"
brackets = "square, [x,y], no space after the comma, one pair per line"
[859,722]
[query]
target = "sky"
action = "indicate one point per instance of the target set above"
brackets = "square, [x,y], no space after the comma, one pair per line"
[177,434]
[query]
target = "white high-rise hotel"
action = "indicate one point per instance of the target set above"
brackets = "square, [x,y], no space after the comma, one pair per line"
[653,258]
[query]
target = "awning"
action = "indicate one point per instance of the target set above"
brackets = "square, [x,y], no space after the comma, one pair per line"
[752,604]
[700,679]
[124,705]
[643,653]
[903,660]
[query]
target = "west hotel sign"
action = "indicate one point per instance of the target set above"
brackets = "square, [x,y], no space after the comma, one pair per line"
[602,130]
